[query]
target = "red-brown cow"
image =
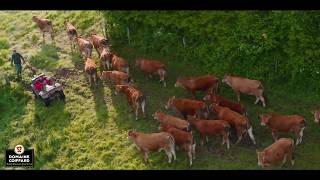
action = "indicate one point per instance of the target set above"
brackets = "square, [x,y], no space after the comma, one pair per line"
[99,42]
[284,123]
[188,107]
[45,26]
[135,98]
[72,33]
[91,70]
[206,83]
[246,86]
[316,115]
[106,57]
[172,121]
[182,139]
[236,120]
[84,46]
[150,67]
[153,142]
[277,153]
[209,128]
[117,77]
[221,101]
[119,64]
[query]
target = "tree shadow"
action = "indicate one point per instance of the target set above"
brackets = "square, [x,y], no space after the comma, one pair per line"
[100,102]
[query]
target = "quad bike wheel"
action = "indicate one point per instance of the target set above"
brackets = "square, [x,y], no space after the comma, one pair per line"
[47,101]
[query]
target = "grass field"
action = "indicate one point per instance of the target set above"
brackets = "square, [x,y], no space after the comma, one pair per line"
[89,131]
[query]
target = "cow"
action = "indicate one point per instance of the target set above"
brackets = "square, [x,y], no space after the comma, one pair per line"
[277,153]
[316,115]
[183,140]
[153,142]
[221,101]
[172,121]
[208,83]
[45,26]
[99,42]
[239,122]
[117,77]
[105,58]
[135,98]
[211,128]
[91,70]
[119,64]
[72,33]
[188,107]
[245,86]
[150,67]
[285,124]
[85,46]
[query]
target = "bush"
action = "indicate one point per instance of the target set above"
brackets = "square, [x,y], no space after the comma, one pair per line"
[4,44]
[277,47]
[46,59]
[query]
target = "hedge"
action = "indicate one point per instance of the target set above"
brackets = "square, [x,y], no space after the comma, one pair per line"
[277,47]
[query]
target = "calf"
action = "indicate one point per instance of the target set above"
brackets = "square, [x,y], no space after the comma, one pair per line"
[206,83]
[91,70]
[106,57]
[182,139]
[236,120]
[172,121]
[72,33]
[45,26]
[150,67]
[276,153]
[135,98]
[119,64]
[211,128]
[99,42]
[117,77]
[153,142]
[221,101]
[246,86]
[84,46]
[188,107]
[284,123]
[316,115]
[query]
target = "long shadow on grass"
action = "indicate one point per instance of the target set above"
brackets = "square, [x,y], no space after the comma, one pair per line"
[100,102]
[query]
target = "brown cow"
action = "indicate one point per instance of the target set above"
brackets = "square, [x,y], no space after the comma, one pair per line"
[135,98]
[236,120]
[150,67]
[208,83]
[117,77]
[316,115]
[246,86]
[221,101]
[45,26]
[182,139]
[153,142]
[99,42]
[84,46]
[277,153]
[284,123]
[188,107]
[106,57]
[72,33]
[172,121]
[119,64]
[91,70]
[211,128]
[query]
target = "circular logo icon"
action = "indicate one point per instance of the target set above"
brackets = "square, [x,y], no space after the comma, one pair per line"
[19,149]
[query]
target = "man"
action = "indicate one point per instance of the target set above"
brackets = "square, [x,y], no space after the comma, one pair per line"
[16,59]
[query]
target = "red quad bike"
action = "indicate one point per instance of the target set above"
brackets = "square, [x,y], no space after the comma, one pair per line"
[46,89]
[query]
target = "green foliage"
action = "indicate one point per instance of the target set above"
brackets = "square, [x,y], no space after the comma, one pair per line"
[46,59]
[277,47]
[4,44]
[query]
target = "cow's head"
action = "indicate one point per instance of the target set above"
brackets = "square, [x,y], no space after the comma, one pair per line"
[34,18]
[132,134]
[178,82]
[169,103]
[265,118]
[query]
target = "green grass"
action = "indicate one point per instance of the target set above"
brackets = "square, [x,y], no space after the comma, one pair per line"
[90,130]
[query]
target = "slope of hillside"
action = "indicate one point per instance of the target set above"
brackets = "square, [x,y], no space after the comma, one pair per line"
[89,131]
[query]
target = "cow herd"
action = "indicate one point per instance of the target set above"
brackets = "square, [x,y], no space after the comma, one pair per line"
[211,116]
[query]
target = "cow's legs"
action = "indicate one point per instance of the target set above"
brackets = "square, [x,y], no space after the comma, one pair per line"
[257,100]
[169,155]
[207,139]
[143,106]
[251,135]
[238,95]
[274,135]
[284,160]
[194,151]
[89,77]
[136,109]
[95,78]
[301,135]
[44,41]
[297,137]
[190,154]
[240,134]
[146,157]
[263,101]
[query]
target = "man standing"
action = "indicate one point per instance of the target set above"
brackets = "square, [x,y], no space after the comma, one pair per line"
[16,59]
